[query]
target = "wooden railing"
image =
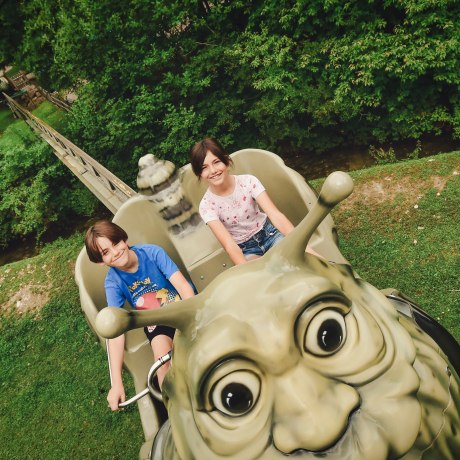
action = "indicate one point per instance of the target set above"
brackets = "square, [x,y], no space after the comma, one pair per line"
[107,188]
[55,100]
[18,80]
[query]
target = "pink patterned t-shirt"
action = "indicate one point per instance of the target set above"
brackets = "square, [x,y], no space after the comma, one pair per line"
[239,211]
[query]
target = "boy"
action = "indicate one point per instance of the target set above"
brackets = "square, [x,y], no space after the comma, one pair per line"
[146,277]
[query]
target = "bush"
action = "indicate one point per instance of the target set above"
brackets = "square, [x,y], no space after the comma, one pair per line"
[36,190]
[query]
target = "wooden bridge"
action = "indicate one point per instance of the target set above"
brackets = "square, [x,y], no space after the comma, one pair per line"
[109,189]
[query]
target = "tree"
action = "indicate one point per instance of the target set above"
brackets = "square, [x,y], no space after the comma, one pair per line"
[286,75]
[11,20]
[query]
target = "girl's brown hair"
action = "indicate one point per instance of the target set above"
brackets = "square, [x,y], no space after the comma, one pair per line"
[104,229]
[200,149]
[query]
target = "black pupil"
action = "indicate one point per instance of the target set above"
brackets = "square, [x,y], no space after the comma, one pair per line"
[237,398]
[330,335]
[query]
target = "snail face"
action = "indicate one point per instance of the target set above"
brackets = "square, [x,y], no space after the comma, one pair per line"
[289,356]
[300,360]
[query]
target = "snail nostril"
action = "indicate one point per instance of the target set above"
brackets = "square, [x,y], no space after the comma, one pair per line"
[317,422]
[318,452]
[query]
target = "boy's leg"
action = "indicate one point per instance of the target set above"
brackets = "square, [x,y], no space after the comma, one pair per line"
[161,344]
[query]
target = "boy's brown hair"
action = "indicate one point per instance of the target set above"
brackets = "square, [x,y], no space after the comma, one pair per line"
[102,228]
[200,149]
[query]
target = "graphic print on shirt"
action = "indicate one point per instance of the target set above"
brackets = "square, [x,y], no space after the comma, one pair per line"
[150,297]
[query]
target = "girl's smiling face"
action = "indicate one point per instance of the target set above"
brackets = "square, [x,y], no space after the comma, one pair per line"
[214,170]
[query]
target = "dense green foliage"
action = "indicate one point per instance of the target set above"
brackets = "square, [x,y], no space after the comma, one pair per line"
[292,76]
[287,75]
[36,190]
[54,375]
[12,22]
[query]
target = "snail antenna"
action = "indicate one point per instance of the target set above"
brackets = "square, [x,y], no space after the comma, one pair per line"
[112,321]
[335,189]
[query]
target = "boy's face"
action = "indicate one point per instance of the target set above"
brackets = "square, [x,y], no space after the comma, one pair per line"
[113,255]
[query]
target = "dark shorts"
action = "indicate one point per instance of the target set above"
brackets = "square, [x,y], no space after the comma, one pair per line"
[159,330]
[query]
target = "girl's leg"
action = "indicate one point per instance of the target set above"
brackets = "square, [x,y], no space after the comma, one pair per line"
[271,236]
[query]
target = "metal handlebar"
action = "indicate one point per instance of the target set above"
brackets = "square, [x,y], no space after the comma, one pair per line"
[152,372]
[134,398]
[150,388]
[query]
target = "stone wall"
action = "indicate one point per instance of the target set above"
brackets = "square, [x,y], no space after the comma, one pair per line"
[27,91]
[32,98]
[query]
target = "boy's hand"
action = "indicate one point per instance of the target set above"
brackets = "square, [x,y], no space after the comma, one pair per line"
[116,395]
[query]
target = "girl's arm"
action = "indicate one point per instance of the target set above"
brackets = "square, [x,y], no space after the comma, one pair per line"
[227,242]
[181,285]
[277,218]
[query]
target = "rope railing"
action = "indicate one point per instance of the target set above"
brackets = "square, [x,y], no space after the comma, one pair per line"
[107,187]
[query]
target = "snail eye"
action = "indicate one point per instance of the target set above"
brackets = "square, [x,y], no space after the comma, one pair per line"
[236,394]
[325,333]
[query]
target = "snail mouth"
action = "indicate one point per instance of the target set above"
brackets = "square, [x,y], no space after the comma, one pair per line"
[337,450]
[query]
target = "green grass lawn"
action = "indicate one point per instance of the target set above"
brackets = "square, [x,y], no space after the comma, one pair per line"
[6,118]
[54,378]
[398,229]
[19,130]
[50,114]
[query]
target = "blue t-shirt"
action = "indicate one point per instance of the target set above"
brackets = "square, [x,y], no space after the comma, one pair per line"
[149,287]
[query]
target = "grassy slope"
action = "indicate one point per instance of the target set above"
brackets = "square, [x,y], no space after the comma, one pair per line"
[400,229]
[46,111]
[6,118]
[54,375]
[50,114]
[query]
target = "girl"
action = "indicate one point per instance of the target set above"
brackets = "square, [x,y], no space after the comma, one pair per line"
[236,208]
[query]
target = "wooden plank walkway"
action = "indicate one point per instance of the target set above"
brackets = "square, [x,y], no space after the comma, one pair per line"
[107,188]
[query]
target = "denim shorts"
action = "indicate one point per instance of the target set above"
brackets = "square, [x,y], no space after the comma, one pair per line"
[262,241]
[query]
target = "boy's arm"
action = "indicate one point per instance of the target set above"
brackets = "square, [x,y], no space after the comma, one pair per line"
[116,354]
[181,285]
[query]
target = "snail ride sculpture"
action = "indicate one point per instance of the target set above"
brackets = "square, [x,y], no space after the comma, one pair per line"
[293,356]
